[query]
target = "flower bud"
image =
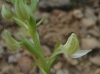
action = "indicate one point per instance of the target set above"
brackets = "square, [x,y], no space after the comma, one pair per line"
[11,43]
[72,44]
[21,10]
[6,13]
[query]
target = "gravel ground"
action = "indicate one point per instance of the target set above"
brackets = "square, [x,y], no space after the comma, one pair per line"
[84,21]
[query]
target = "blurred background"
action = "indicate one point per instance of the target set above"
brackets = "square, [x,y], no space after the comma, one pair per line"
[63,18]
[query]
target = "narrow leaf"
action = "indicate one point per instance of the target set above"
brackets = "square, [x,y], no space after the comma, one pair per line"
[30,46]
[40,21]
[20,23]
[33,5]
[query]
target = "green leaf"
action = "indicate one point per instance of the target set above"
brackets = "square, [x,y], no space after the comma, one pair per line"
[30,47]
[20,23]
[33,5]
[32,24]
[23,31]
[40,21]
[25,1]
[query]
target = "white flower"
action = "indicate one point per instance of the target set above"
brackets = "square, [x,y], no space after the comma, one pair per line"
[71,48]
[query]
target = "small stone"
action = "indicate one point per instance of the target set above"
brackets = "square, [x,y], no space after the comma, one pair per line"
[26,53]
[1,51]
[94,33]
[52,70]
[2,43]
[14,58]
[46,51]
[25,64]
[97,71]
[20,73]
[88,22]
[10,69]
[72,61]
[89,11]
[62,72]
[58,66]
[89,43]
[77,14]
[95,60]
[33,70]
[99,17]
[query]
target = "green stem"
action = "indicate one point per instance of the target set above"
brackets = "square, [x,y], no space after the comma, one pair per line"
[38,64]
[54,57]
[42,59]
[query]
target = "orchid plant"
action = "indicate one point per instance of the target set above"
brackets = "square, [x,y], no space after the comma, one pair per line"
[24,17]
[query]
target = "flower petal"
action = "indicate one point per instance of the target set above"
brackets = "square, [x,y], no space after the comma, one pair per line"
[80,53]
[72,44]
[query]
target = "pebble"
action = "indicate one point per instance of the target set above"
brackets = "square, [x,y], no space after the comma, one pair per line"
[25,64]
[88,22]
[1,51]
[58,66]
[14,58]
[89,43]
[46,50]
[33,70]
[10,69]
[99,18]
[72,61]
[52,70]
[62,72]
[77,14]
[94,33]
[97,71]
[95,60]
[26,53]
[89,12]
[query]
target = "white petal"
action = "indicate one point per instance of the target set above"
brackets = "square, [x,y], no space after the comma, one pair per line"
[79,53]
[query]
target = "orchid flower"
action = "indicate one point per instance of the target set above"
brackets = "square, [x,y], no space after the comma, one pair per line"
[71,48]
